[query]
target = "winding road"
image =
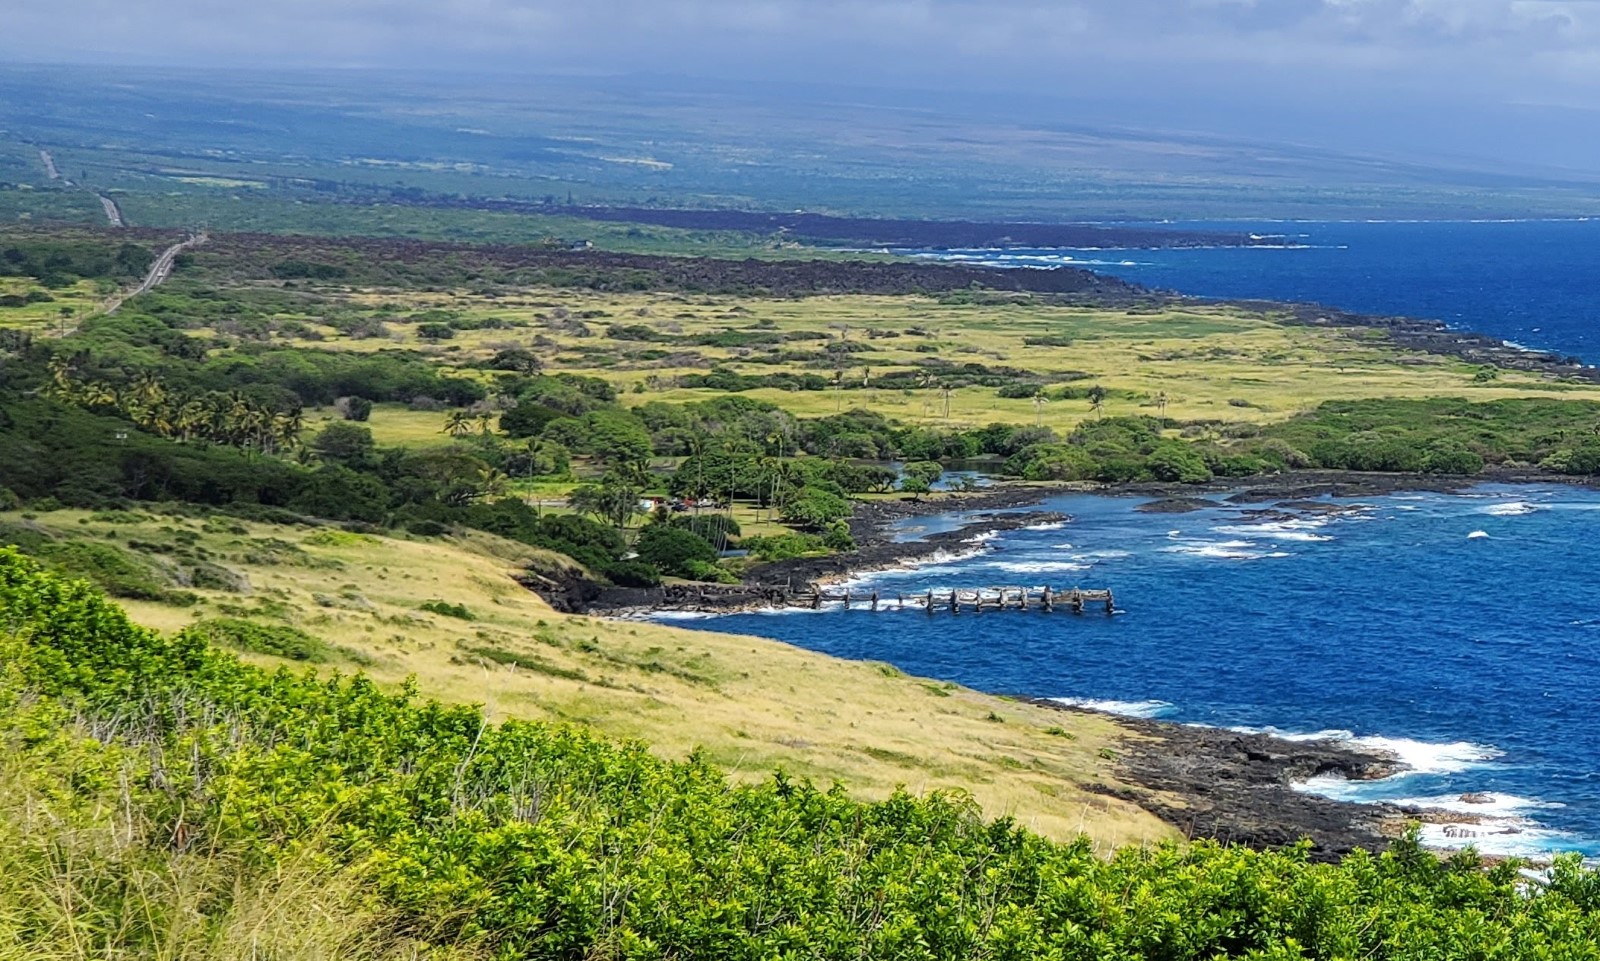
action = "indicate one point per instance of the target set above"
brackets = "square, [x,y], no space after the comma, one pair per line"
[113,212]
[158,272]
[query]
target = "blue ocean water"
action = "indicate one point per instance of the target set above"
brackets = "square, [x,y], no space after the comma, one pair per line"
[1461,631]
[1530,282]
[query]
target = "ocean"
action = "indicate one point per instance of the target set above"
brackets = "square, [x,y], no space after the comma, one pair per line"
[1459,631]
[1533,283]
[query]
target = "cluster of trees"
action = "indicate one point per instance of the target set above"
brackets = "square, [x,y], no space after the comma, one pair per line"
[57,261]
[232,418]
[535,841]
[1441,435]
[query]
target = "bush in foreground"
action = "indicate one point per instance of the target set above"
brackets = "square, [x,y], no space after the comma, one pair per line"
[425,828]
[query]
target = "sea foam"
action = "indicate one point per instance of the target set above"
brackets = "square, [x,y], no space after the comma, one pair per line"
[1152,708]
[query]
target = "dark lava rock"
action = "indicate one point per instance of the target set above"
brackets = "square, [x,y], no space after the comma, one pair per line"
[1175,505]
[1238,788]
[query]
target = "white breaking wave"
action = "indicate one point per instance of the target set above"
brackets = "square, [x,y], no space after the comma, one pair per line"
[1046,526]
[1038,567]
[1303,531]
[939,562]
[1477,535]
[1487,803]
[1125,708]
[1418,757]
[1223,550]
[1508,837]
[1510,509]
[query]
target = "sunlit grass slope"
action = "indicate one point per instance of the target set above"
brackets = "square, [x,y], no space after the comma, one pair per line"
[749,704]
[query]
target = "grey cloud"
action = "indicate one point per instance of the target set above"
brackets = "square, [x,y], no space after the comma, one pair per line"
[1276,64]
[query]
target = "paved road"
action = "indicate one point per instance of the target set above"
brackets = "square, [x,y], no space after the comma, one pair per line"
[159,271]
[113,213]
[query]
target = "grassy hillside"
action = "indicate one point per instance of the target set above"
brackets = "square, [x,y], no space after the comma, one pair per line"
[748,704]
[160,799]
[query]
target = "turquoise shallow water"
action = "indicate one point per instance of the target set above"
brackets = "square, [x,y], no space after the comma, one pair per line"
[1461,631]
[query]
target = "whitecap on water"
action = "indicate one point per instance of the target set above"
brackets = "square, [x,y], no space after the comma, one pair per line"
[682,615]
[1301,531]
[1477,535]
[1222,550]
[1510,509]
[1417,757]
[1152,708]
[1038,567]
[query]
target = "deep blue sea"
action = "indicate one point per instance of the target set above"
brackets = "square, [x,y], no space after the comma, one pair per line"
[1535,283]
[1460,631]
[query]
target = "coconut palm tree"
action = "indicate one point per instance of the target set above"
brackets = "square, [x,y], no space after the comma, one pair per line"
[458,424]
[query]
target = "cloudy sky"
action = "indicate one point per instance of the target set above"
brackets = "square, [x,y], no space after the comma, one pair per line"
[1515,78]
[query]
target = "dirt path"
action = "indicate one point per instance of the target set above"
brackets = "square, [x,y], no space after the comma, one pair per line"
[49,164]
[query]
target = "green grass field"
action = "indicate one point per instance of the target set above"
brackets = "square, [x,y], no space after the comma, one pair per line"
[1211,364]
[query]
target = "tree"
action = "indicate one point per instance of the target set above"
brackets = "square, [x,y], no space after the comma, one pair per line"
[353,408]
[1176,462]
[1097,399]
[673,550]
[815,507]
[915,486]
[344,443]
[614,500]
[528,419]
[458,424]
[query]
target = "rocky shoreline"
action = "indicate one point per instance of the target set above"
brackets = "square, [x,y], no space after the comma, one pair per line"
[1240,788]
[1206,782]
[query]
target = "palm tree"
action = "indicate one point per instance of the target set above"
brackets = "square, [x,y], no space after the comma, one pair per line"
[147,389]
[193,417]
[60,369]
[492,483]
[98,393]
[1097,399]
[285,429]
[458,424]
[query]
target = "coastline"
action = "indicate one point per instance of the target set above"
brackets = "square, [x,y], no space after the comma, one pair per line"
[1207,782]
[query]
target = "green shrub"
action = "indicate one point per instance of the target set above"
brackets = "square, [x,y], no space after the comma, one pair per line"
[631,574]
[671,549]
[782,547]
[543,842]
[112,570]
[277,640]
[447,609]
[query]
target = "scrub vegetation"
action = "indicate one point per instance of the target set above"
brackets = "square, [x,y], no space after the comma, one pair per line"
[163,799]
[300,457]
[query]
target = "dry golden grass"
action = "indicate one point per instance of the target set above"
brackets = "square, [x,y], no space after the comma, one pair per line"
[751,704]
[82,299]
[1222,364]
